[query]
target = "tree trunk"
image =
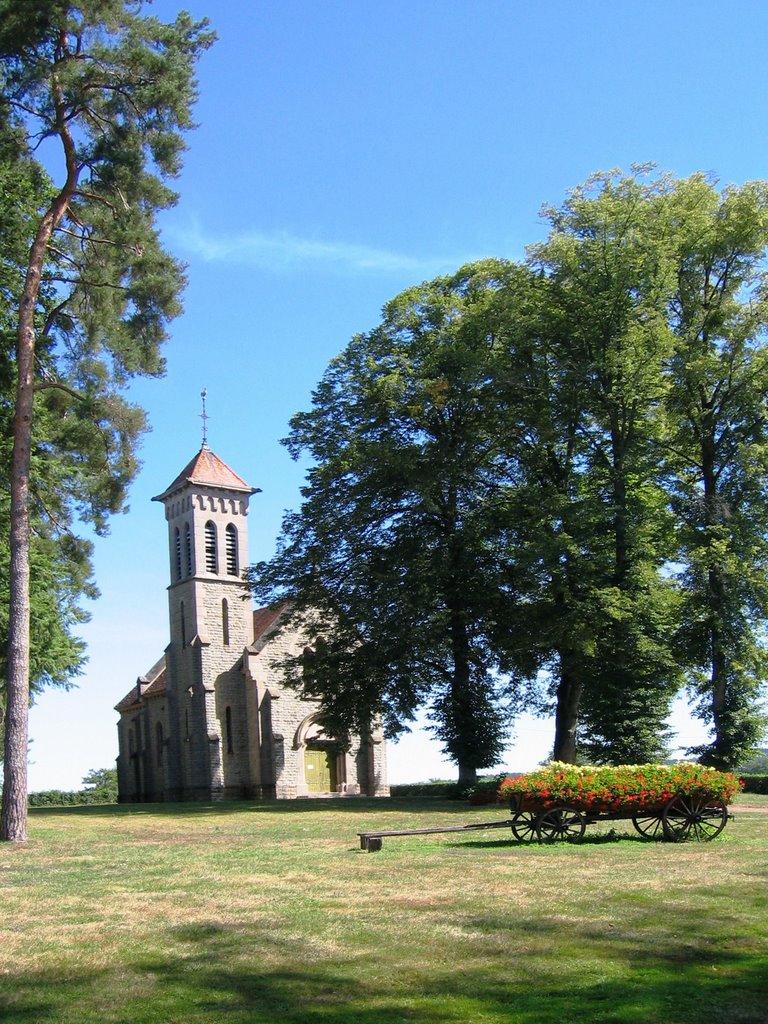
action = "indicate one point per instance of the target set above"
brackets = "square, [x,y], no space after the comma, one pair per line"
[619,496]
[717,755]
[13,822]
[460,707]
[716,597]
[569,694]
[467,774]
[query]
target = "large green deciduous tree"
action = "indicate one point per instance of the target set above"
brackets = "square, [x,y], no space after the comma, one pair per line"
[640,528]
[609,265]
[113,90]
[718,457]
[391,559]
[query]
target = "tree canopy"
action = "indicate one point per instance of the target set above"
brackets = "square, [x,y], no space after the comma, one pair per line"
[536,482]
[394,540]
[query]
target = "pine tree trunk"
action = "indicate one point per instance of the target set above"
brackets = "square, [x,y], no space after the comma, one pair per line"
[13,823]
[13,820]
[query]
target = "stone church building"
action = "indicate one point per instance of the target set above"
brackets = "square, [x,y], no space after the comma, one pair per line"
[212,719]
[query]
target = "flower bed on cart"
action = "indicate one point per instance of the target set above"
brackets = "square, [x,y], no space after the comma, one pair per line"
[626,789]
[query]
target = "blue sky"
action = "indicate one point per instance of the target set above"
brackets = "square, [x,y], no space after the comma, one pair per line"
[347,149]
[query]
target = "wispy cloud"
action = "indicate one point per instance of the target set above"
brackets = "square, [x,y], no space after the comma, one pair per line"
[283,251]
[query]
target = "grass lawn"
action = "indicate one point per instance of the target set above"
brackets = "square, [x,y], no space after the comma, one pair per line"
[192,913]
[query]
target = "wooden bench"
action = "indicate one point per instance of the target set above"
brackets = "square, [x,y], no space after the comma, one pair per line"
[371,841]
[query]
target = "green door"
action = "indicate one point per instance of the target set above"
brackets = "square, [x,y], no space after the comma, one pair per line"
[320,769]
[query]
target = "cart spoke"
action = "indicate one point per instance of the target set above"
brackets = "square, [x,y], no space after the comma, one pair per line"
[698,816]
[524,827]
[649,825]
[561,823]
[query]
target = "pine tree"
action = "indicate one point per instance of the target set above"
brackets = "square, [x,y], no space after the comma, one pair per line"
[114,90]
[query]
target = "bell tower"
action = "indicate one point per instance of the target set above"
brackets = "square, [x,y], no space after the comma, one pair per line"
[211,623]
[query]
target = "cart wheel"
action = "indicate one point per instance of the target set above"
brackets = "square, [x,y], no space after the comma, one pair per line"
[524,827]
[694,817]
[649,825]
[560,823]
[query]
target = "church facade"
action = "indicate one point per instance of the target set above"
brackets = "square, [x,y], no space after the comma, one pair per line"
[213,719]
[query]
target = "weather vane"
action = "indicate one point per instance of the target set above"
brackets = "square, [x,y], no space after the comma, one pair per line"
[204,416]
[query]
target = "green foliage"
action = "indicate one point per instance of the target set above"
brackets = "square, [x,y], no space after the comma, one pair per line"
[756,764]
[59,563]
[100,787]
[101,784]
[545,485]
[55,798]
[436,789]
[115,90]
[485,790]
[609,267]
[755,783]
[718,457]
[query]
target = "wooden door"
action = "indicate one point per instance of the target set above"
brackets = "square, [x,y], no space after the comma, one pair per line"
[320,769]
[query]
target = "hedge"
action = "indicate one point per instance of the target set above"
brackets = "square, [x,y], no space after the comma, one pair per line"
[755,783]
[484,791]
[63,798]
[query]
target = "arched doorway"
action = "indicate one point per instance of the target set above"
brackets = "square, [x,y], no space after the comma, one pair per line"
[321,759]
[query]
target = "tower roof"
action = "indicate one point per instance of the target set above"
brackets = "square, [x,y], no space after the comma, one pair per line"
[207,468]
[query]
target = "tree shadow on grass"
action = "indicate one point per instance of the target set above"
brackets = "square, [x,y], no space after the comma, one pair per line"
[606,839]
[505,969]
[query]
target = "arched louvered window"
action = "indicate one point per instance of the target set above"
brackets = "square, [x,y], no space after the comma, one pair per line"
[233,557]
[177,552]
[225,622]
[211,558]
[188,548]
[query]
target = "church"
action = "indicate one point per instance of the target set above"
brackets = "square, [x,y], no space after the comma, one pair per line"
[213,719]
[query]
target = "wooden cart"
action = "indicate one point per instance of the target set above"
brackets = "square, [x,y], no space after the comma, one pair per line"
[696,815]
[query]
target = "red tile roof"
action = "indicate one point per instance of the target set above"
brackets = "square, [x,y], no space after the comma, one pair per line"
[207,468]
[153,684]
[263,620]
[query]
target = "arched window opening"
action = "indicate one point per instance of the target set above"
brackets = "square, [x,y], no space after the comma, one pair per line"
[228,724]
[188,548]
[183,623]
[225,622]
[159,739]
[232,552]
[211,559]
[186,724]
[177,551]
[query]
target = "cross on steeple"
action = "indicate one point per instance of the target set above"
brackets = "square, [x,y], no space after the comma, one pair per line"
[204,417]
